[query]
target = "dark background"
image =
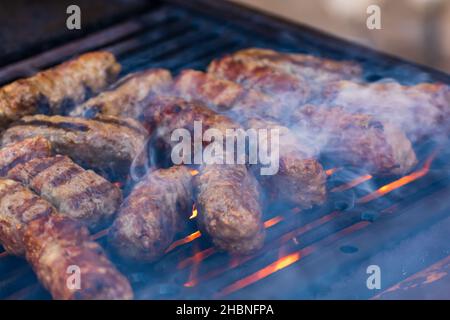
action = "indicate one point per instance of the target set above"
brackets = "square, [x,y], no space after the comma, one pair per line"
[28,27]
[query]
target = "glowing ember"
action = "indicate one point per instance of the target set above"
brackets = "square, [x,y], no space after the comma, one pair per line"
[352,183]
[263,273]
[184,240]
[239,261]
[307,227]
[329,172]
[398,183]
[196,258]
[194,172]
[195,267]
[194,214]
[271,222]
[287,260]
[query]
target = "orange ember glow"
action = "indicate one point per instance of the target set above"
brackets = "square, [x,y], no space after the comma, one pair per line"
[194,214]
[398,183]
[194,172]
[271,222]
[196,258]
[184,240]
[329,172]
[195,266]
[263,273]
[352,183]
[287,260]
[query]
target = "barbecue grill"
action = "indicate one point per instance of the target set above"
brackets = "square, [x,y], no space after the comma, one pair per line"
[399,223]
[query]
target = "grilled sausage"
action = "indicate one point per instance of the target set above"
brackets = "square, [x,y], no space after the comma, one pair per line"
[127,97]
[227,199]
[58,89]
[227,194]
[421,110]
[31,226]
[21,152]
[227,96]
[18,206]
[292,77]
[152,214]
[300,179]
[106,144]
[56,246]
[352,138]
[77,193]
[357,139]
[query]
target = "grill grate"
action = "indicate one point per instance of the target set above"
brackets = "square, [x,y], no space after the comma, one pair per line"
[175,37]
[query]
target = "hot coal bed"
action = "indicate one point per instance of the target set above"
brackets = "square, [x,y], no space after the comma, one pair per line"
[398,224]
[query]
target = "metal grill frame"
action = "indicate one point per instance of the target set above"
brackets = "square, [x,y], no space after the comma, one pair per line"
[198,31]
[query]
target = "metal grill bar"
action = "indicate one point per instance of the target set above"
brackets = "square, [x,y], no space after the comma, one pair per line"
[181,35]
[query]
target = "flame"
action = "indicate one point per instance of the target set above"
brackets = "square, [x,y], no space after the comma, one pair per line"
[194,214]
[195,267]
[352,183]
[184,240]
[262,273]
[236,262]
[287,260]
[198,256]
[398,183]
[194,172]
[271,222]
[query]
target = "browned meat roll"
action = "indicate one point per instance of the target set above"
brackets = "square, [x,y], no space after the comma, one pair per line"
[106,144]
[31,226]
[21,152]
[228,197]
[358,139]
[56,245]
[77,193]
[18,206]
[421,110]
[152,214]
[127,97]
[300,178]
[227,96]
[58,89]
[292,78]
